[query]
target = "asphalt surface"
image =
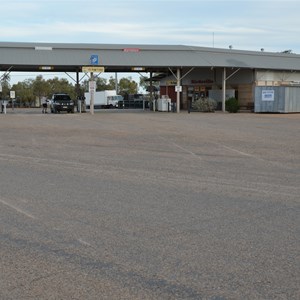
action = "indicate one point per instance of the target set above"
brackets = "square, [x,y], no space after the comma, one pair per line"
[143,205]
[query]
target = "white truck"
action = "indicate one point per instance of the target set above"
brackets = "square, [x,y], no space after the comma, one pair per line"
[103,99]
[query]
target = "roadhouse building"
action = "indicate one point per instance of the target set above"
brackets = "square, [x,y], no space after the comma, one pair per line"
[263,81]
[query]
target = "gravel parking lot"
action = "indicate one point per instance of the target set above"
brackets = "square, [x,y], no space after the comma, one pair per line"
[142,205]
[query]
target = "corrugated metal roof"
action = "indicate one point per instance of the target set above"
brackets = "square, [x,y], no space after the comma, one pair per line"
[70,57]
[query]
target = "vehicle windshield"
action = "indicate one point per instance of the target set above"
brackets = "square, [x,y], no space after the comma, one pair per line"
[62,98]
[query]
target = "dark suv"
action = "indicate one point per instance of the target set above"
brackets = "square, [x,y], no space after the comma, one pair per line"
[61,102]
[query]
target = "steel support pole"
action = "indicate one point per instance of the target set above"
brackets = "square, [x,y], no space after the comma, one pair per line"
[151,86]
[78,102]
[224,90]
[92,95]
[152,100]
[77,84]
[116,82]
[178,92]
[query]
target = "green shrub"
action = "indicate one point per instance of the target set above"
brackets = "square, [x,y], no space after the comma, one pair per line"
[204,105]
[232,105]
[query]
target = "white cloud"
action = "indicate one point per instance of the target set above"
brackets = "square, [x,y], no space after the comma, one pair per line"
[244,24]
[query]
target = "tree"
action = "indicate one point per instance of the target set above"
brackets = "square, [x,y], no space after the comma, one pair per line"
[24,92]
[61,85]
[5,86]
[111,83]
[127,86]
[145,84]
[41,88]
[101,84]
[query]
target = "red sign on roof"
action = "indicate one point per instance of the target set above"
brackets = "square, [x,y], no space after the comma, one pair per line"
[131,49]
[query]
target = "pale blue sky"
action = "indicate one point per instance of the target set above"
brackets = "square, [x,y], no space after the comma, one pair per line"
[245,24]
[273,25]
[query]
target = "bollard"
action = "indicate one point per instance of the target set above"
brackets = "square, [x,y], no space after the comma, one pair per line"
[79,106]
[4,103]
